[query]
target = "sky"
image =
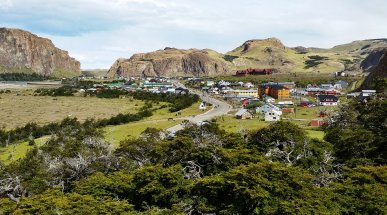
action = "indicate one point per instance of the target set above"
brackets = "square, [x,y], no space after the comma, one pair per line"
[97,32]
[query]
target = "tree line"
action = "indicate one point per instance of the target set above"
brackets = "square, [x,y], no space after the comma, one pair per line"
[22,77]
[176,102]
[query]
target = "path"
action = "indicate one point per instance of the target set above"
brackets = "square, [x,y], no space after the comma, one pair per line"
[219,108]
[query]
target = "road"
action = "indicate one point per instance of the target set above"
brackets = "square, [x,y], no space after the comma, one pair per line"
[219,108]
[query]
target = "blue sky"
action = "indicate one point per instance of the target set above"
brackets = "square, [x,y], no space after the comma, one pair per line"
[97,32]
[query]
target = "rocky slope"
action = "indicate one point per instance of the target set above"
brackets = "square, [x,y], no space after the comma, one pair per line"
[171,62]
[378,71]
[21,51]
[266,53]
[373,58]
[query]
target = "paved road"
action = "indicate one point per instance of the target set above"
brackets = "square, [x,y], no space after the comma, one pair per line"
[219,108]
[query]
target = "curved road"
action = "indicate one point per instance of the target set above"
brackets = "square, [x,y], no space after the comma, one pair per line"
[219,108]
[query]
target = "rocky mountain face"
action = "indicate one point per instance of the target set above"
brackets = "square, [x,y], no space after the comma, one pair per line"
[373,59]
[377,71]
[171,62]
[265,53]
[21,51]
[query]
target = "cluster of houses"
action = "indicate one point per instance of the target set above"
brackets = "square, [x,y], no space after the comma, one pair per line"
[155,85]
[266,94]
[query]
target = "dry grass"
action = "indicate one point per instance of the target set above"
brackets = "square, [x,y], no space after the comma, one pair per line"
[20,107]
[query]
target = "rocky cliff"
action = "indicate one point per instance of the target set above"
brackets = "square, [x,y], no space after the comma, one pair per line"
[21,51]
[373,59]
[172,62]
[378,71]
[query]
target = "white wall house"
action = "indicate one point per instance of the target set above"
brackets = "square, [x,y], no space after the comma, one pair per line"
[273,115]
[266,108]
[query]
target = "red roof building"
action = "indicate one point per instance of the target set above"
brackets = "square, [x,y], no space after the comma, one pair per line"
[254,72]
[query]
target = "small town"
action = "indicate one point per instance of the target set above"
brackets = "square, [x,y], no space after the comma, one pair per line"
[179,107]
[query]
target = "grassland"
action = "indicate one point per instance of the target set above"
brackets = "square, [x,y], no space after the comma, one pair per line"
[115,134]
[231,124]
[16,151]
[20,107]
[165,114]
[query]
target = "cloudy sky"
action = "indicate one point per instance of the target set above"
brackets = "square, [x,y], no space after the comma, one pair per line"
[97,32]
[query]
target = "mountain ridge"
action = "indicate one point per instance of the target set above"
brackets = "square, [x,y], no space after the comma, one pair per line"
[253,53]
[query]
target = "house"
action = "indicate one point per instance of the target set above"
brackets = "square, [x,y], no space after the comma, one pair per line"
[366,94]
[210,83]
[276,91]
[326,86]
[316,122]
[285,104]
[327,100]
[269,99]
[339,85]
[248,85]
[181,91]
[202,105]
[266,108]
[247,93]
[287,110]
[353,95]
[340,73]
[273,114]
[307,104]
[243,114]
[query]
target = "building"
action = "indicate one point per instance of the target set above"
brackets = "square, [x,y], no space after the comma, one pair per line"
[266,108]
[327,100]
[289,85]
[181,91]
[254,72]
[366,94]
[273,115]
[243,114]
[269,99]
[276,91]
[202,105]
[316,122]
[340,85]
[247,93]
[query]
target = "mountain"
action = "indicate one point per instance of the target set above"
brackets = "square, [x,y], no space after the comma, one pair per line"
[257,53]
[377,71]
[22,51]
[171,62]
[373,59]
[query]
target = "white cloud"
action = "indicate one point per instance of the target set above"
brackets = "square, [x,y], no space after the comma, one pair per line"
[99,31]
[5,5]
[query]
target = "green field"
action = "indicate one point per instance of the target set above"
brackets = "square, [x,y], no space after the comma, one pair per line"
[165,114]
[115,134]
[231,124]
[18,150]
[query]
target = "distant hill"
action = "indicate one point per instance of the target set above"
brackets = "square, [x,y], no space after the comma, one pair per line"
[24,52]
